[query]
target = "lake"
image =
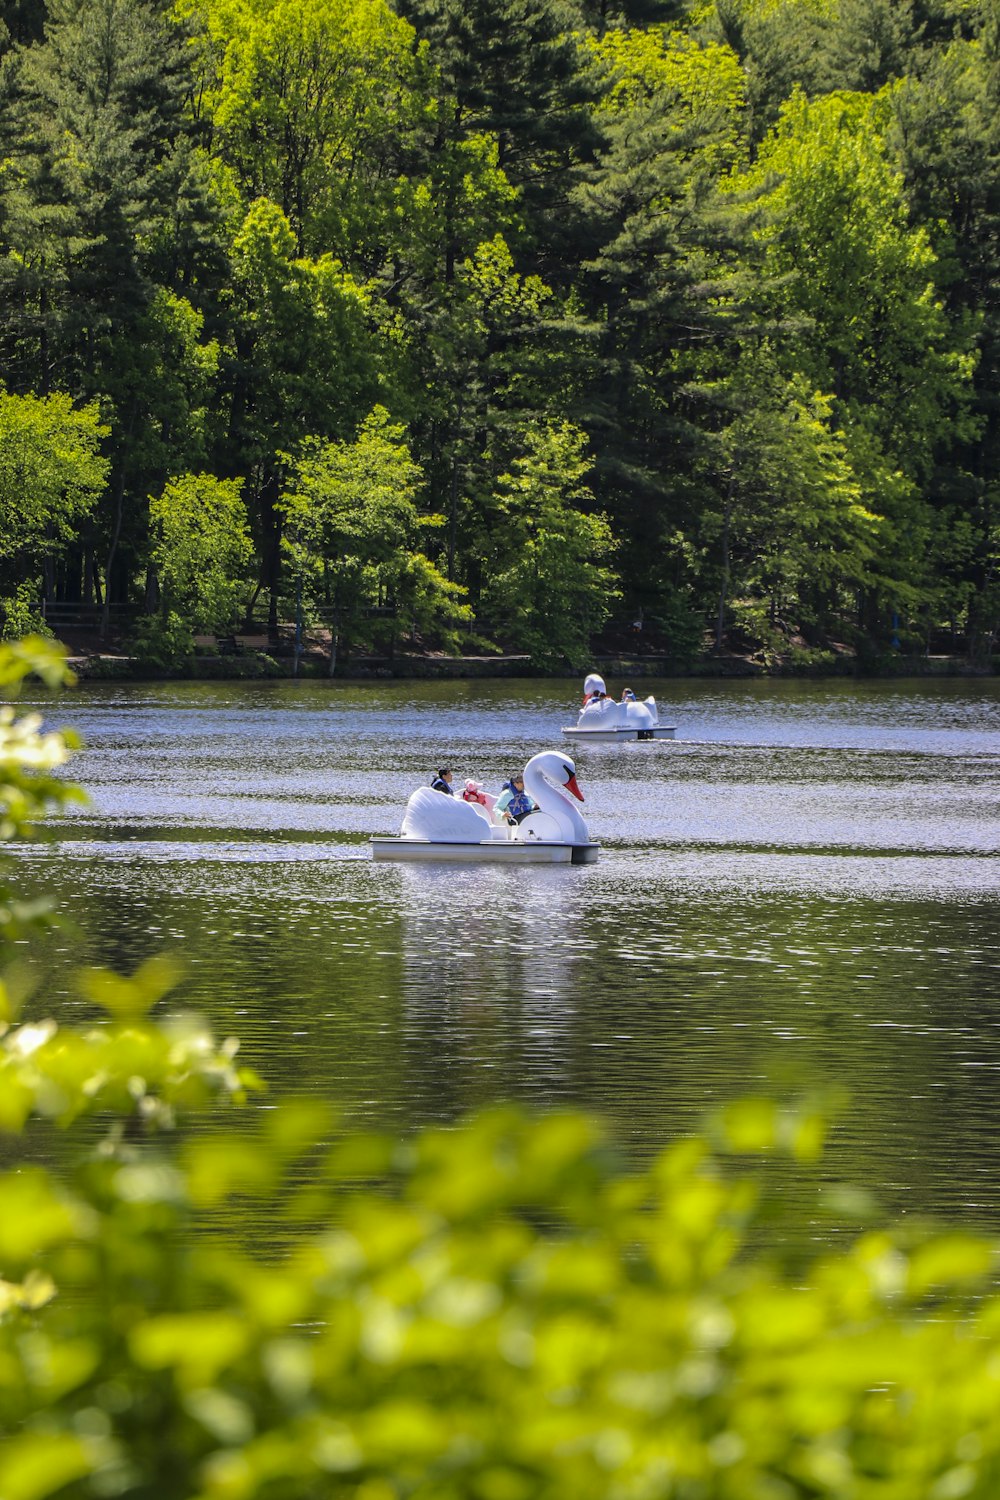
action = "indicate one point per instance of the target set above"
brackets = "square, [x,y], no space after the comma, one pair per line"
[801,891]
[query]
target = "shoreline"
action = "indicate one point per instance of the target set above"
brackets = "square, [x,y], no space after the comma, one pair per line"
[258,665]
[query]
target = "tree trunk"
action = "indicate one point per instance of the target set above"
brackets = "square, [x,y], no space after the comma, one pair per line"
[452,519]
[112,550]
[271,527]
[334,641]
[727,516]
[453,491]
[152,601]
[248,618]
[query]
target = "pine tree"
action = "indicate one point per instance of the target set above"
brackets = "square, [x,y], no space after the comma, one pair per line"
[96,133]
[514,72]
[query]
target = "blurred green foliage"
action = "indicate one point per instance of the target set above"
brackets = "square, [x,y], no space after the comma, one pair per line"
[31,760]
[498,1311]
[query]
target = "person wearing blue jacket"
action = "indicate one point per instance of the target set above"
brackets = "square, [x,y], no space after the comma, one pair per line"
[513,802]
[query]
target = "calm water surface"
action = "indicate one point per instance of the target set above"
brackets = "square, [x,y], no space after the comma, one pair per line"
[802,889]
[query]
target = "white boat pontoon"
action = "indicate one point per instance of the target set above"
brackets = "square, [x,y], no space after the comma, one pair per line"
[436,826]
[601,718]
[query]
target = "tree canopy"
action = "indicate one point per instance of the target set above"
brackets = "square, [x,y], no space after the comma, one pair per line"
[701,238]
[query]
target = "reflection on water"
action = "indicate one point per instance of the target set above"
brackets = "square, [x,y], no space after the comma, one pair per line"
[803,889]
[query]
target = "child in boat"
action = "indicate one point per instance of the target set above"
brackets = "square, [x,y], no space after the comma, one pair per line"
[513,802]
[474,793]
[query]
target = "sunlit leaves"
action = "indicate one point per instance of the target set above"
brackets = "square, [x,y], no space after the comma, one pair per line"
[37,1215]
[33,1292]
[32,656]
[35,1465]
[201,548]
[133,1066]
[29,757]
[550,585]
[131,998]
[199,1346]
[757,1125]
[353,526]
[51,475]
[31,787]
[493,1310]
[305,96]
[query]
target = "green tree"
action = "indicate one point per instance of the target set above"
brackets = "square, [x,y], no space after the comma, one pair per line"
[97,148]
[352,527]
[665,292]
[201,550]
[841,253]
[301,361]
[782,47]
[794,541]
[604,15]
[548,589]
[481,361]
[308,100]
[874,42]
[945,137]
[52,474]
[515,72]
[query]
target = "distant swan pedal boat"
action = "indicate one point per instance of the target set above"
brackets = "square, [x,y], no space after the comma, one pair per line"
[603,719]
[436,826]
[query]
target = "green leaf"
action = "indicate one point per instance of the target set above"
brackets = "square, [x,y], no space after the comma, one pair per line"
[750,1125]
[37,1215]
[132,998]
[952,1260]
[197,1345]
[34,1465]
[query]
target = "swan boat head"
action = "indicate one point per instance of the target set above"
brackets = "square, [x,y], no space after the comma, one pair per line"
[547,779]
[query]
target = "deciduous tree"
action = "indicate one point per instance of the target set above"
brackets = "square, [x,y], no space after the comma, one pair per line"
[52,474]
[548,586]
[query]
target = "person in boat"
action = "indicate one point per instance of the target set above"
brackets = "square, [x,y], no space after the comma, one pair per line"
[628,696]
[513,802]
[594,689]
[442,782]
[474,793]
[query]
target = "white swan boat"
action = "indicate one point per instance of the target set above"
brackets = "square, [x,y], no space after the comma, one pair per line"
[436,826]
[601,718]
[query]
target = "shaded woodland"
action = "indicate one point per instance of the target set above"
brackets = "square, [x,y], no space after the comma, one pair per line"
[496,325]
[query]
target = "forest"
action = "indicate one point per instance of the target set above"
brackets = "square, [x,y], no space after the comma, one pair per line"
[498,325]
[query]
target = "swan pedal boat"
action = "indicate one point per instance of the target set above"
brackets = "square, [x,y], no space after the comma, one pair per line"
[436,826]
[603,719]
